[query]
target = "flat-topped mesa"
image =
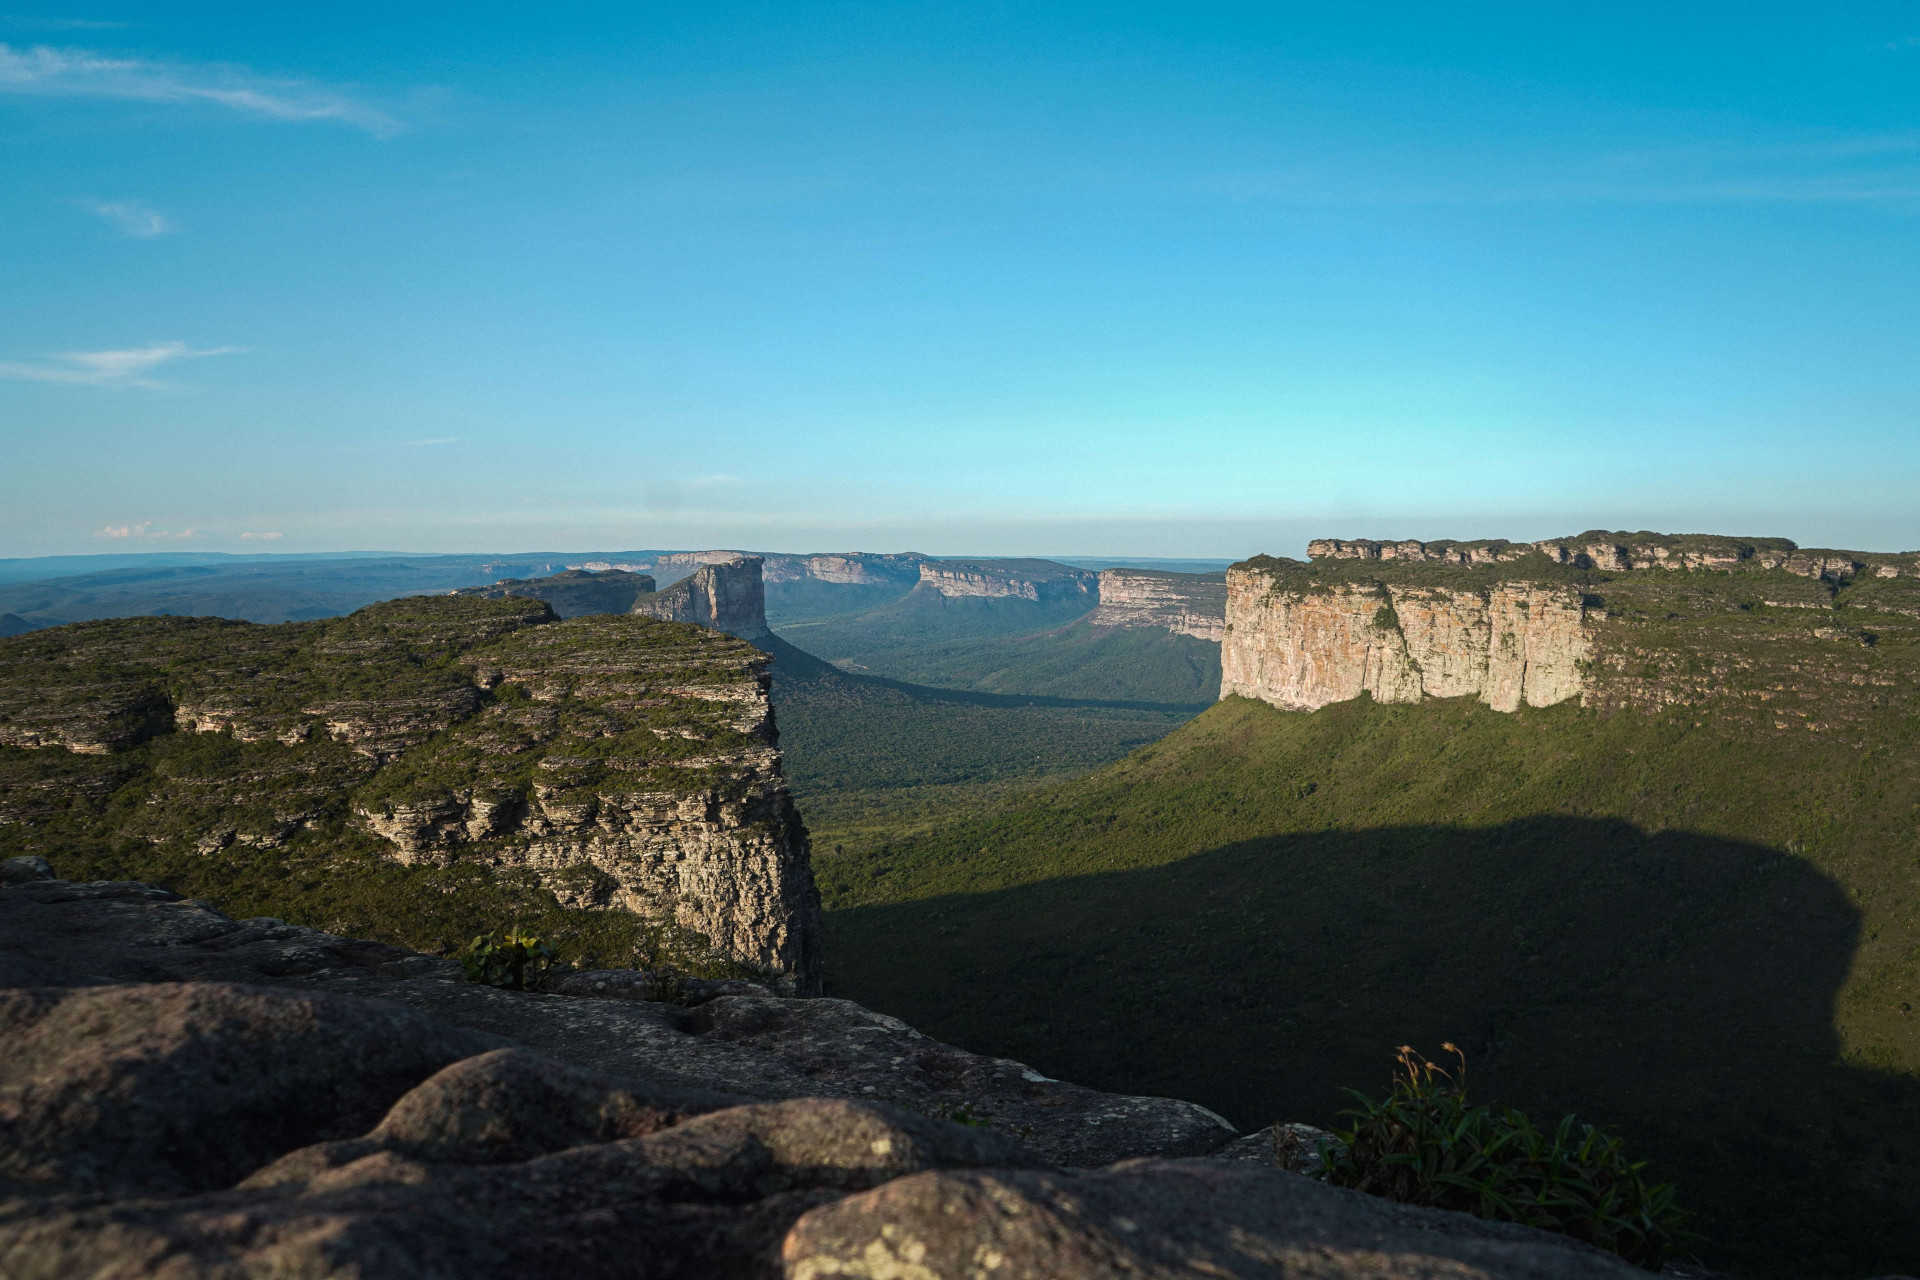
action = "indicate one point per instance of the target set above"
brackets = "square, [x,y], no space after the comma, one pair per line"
[726,595]
[618,762]
[1617,619]
[1039,580]
[574,592]
[684,559]
[1188,604]
[1621,552]
[852,568]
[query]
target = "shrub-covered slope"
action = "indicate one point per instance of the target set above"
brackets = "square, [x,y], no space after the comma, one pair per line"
[1080,660]
[1687,923]
[418,772]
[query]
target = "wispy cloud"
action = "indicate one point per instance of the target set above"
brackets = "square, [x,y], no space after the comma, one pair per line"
[261,537]
[108,368]
[21,23]
[44,71]
[132,217]
[145,529]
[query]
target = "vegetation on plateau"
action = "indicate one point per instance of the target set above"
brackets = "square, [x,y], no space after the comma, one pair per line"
[306,727]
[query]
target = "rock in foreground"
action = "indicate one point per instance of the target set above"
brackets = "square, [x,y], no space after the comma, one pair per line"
[197,1097]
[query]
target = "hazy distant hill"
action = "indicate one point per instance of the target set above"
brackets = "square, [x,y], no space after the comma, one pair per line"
[282,589]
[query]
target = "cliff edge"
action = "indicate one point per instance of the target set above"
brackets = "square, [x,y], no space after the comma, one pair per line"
[198,1097]
[1613,619]
[614,765]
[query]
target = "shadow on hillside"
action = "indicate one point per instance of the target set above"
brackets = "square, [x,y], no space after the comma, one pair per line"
[1677,987]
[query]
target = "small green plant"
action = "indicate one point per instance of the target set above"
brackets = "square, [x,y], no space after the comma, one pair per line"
[971,1119]
[515,961]
[1425,1144]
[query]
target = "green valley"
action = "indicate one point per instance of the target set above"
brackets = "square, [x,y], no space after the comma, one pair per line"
[1689,910]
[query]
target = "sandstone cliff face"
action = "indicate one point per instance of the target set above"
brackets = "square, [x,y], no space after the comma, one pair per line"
[1038,580]
[856,569]
[1302,649]
[621,762]
[726,595]
[1188,604]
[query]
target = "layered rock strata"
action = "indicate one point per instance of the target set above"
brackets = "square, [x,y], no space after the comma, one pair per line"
[1303,648]
[623,762]
[1758,626]
[1042,581]
[54,933]
[200,1098]
[1624,552]
[849,569]
[1188,604]
[726,595]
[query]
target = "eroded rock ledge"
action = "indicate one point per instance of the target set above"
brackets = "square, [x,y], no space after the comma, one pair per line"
[194,1097]
[622,762]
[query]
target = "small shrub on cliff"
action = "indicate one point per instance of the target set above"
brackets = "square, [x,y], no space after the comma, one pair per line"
[515,961]
[1425,1144]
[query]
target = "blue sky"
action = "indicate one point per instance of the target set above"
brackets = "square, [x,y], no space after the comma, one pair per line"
[1108,279]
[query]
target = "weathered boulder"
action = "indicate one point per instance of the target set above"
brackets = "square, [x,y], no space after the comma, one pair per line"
[189,1086]
[200,1130]
[756,1046]
[1162,1220]
[25,870]
[501,1107]
[710,1197]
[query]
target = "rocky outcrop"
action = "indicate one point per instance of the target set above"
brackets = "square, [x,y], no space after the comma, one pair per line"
[1496,551]
[356,1112]
[673,560]
[1188,604]
[725,595]
[849,569]
[179,1087]
[1618,552]
[54,933]
[1162,1220]
[619,762]
[1041,581]
[1302,647]
[574,592]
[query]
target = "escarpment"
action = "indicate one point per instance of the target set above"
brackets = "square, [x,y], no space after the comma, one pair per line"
[617,764]
[1188,604]
[1041,581]
[727,596]
[1614,620]
[1301,649]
